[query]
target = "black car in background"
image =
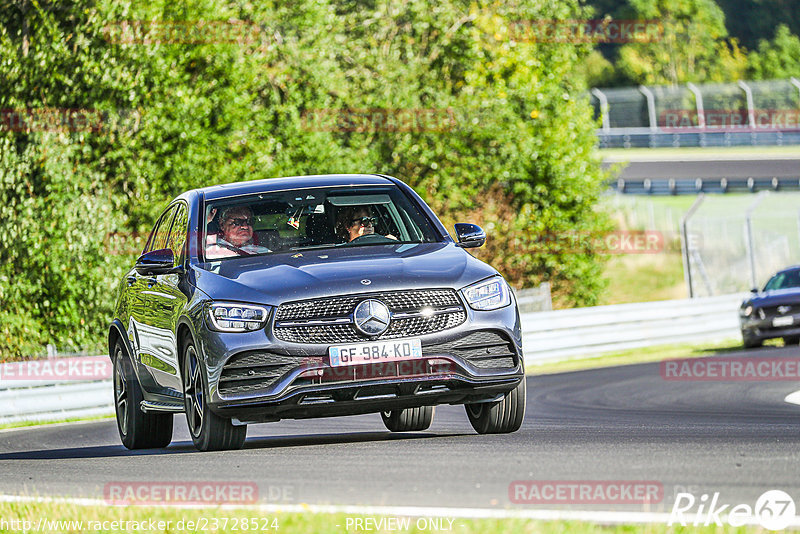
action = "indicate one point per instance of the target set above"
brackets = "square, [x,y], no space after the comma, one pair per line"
[773,312]
[306,297]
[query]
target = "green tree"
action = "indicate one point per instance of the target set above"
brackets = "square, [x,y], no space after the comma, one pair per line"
[778,58]
[157,116]
[694,47]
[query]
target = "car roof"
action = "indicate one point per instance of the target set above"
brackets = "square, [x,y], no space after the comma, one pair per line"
[294,182]
[789,269]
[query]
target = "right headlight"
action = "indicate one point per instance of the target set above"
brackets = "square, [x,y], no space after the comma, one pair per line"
[488,295]
[233,317]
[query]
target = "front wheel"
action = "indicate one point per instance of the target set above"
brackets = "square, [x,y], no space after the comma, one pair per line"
[137,430]
[408,420]
[499,417]
[791,340]
[751,343]
[209,431]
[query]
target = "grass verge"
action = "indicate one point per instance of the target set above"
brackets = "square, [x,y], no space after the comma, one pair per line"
[644,355]
[25,424]
[45,517]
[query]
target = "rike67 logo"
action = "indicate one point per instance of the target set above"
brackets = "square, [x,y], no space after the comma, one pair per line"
[774,510]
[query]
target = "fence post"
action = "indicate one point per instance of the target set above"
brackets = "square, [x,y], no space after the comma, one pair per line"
[686,245]
[651,107]
[603,109]
[751,112]
[749,241]
[795,82]
[698,98]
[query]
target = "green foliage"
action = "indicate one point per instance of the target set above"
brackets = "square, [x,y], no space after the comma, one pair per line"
[76,201]
[694,47]
[779,58]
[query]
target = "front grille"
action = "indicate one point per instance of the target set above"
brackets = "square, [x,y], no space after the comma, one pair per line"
[772,311]
[486,349]
[253,371]
[342,308]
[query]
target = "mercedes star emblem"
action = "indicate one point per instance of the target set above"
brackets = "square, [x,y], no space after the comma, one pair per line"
[366,281]
[371,317]
[783,309]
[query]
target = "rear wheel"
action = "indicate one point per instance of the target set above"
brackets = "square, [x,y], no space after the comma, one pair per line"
[137,429]
[209,431]
[500,417]
[409,419]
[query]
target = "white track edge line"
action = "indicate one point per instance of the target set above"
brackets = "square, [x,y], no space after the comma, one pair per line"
[793,398]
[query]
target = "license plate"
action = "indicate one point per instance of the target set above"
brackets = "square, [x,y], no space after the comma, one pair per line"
[379,351]
[783,321]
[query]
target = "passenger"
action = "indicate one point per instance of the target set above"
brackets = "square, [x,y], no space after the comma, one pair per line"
[235,236]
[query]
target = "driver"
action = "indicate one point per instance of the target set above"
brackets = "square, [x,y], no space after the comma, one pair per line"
[235,237]
[355,222]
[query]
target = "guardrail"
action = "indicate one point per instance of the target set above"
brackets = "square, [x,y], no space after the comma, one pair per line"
[565,334]
[57,395]
[548,336]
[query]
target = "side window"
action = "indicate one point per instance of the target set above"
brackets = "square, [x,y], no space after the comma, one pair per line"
[177,235]
[158,239]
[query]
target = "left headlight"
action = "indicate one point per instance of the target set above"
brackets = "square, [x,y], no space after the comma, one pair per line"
[488,295]
[233,317]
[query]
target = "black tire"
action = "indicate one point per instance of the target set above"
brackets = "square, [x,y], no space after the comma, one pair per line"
[791,340]
[409,419]
[209,431]
[751,343]
[501,417]
[137,429]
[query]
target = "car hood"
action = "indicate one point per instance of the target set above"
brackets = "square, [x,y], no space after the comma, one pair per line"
[774,298]
[275,278]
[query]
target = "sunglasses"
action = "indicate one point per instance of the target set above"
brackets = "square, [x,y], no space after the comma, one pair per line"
[241,221]
[365,221]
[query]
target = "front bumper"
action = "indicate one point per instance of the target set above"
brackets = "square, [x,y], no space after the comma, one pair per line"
[762,329]
[309,387]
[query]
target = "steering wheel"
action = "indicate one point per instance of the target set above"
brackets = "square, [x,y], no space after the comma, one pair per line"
[366,238]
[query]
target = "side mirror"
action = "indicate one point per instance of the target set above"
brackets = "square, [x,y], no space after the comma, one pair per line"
[754,290]
[469,235]
[160,261]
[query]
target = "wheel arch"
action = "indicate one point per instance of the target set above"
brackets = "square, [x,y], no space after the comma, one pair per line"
[184,333]
[116,332]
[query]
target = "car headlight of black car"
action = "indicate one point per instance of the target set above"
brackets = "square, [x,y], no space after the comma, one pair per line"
[747,312]
[236,317]
[488,294]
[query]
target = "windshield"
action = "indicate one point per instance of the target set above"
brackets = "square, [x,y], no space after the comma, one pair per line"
[301,219]
[783,280]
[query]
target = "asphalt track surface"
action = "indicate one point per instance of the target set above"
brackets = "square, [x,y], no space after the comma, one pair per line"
[623,423]
[734,168]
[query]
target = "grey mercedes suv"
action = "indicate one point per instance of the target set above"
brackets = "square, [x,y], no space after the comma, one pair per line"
[310,296]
